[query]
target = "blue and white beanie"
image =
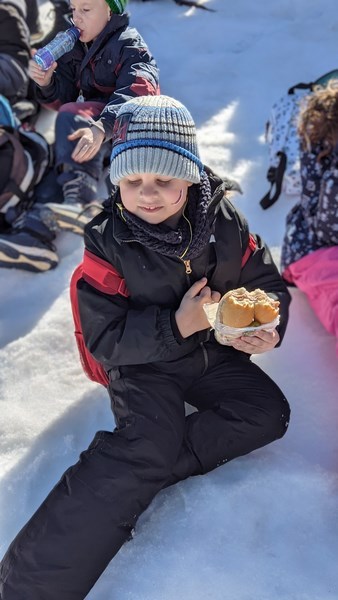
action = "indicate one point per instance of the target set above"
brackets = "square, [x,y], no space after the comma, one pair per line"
[155,134]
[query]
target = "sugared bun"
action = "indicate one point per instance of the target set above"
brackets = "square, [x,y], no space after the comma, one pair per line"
[236,308]
[266,308]
[240,308]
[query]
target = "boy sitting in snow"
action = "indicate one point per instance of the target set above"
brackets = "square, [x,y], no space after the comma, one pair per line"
[176,243]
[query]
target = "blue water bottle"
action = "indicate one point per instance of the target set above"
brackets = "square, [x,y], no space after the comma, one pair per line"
[63,42]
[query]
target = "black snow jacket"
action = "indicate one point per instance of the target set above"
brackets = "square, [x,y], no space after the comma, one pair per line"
[141,328]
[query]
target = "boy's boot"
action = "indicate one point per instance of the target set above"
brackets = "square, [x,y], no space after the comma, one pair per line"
[28,245]
[80,202]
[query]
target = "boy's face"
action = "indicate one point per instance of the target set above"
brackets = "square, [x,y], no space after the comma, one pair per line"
[153,198]
[90,16]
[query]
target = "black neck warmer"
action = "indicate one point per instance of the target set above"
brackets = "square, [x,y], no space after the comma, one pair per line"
[192,232]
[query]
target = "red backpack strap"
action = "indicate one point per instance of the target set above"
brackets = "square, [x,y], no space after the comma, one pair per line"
[251,247]
[93,369]
[102,275]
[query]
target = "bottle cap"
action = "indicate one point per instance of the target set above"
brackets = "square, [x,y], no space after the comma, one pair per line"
[75,31]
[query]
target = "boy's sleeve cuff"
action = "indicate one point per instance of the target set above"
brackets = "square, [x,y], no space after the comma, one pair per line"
[179,339]
[99,125]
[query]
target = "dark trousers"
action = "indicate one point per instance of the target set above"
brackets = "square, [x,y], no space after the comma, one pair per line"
[69,541]
[71,117]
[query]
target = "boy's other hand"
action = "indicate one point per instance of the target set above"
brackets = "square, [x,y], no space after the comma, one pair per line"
[190,316]
[261,342]
[90,142]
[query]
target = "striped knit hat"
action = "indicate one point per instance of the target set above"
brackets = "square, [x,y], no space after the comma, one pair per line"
[117,6]
[155,134]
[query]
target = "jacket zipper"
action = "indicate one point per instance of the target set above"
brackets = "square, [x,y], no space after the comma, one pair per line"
[120,207]
[186,263]
[188,268]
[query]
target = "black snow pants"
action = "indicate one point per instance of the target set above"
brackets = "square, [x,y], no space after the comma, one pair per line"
[63,549]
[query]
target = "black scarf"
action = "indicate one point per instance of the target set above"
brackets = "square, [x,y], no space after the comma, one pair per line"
[193,230]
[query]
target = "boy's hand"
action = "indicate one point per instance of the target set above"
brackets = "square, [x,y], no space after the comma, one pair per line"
[259,343]
[42,78]
[190,316]
[90,142]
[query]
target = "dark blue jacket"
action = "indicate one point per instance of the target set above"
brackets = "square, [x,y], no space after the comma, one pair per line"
[115,67]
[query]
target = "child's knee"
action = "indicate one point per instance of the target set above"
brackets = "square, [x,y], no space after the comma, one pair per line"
[151,453]
[279,416]
[69,107]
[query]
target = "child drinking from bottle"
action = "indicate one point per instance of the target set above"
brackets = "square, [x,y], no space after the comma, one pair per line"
[109,64]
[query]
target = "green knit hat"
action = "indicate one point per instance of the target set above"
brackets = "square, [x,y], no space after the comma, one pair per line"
[117,6]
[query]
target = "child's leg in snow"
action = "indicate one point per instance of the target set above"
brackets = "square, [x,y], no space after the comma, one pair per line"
[90,513]
[240,409]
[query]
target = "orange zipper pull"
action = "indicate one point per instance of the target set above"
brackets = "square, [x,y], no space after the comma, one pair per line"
[188,268]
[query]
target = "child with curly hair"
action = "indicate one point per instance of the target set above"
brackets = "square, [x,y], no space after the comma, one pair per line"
[310,247]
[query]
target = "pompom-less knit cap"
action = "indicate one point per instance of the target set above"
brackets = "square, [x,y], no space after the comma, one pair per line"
[155,134]
[117,6]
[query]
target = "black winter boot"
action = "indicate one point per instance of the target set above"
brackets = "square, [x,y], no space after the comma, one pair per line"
[28,245]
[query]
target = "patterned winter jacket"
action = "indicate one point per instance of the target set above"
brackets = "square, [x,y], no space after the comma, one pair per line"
[313,221]
[115,67]
[141,328]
